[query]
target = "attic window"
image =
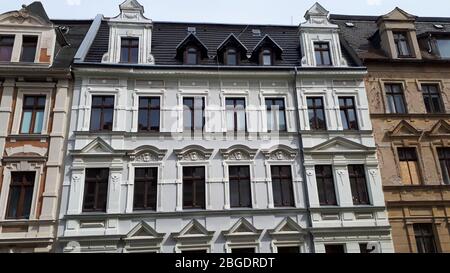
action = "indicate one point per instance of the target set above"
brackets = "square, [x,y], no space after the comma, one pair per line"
[192,30]
[350,24]
[256,32]
[439,26]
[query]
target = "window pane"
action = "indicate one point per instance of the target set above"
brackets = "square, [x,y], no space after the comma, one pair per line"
[95,190]
[325,185]
[192,56]
[334,249]
[6,48]
[26,122]
[95,119]
[231,57]
[143,119]
[444,47]
[108,119]
[424,235]
[39,118]
[29,45]
[194,187]
[288,249]
[129,52]
[13,202]
[20,195]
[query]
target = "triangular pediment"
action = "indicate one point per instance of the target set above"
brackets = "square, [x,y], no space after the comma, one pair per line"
[191,40]
[267,41]
[287,227]
[398,14]
[143,230]
[441,128]
[131,11]
[243,227]
[194,228]
[232,40]
[97,146]
[131,5]
[339,145]
[316,10]
[404,129]
[31,15]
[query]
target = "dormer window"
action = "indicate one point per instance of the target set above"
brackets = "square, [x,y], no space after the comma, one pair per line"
[191,56]
[322,53]
[402,44]
[231,57]
[443,47]
[6,47]
[29,45]
[266,57]
[129,52]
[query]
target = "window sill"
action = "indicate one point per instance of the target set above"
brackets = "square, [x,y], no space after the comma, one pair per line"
[27,137]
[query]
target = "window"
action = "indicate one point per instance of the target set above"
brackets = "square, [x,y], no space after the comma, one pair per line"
[402,44]
[325,185]
[409,167]
[194,188]
[266,57]
[395,99]
[200,251]
[231,57]
[316,113]
[288,249]
[6,47]
[145,188]
[95,190]
[322,53]
[432,98]
[444,159]
[102,113]
[194,113]
[20,195]
[348,113]
[29,45]
[240,188]
[276,116]
[334,249]
[425,238]
[283,193]
[243,250]
[443,47]
[358,184]
[32,114]
[363,248]
[129,50]
[236,120]
[191,56]
[149,114]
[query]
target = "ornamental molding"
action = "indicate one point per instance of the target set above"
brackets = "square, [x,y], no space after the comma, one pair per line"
[193,153]
[239,152]
[147,154]
[280,152]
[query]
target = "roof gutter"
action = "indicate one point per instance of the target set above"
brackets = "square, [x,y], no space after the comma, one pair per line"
[88,39]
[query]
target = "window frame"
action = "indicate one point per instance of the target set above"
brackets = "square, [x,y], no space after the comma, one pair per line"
[23,48]
[227,54]
[439,49]
[238,180]
[322,176]
[34,109]
[431,236]
[417,160]
[425,89]
[321,50]
[190,50]
[21,201]
[13,36]
[361,185]
[273,99]
[192,127]
[194,200]
[345,109]
[236,113]
[406,39]
[97,182]
[314,108]
[442,151]
[102,107]
[130,48]
[390,92]
[154,185]
[149,108]
[264,53]
[282,203]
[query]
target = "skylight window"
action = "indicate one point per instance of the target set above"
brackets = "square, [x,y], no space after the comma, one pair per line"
[192,30]
[349,24]
[256,32]
[439,26]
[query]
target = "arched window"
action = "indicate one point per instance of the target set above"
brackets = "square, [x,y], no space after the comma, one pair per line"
[231,57]
[266,57]
[191,55]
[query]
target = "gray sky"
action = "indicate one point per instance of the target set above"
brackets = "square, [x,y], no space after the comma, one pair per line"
[282,12]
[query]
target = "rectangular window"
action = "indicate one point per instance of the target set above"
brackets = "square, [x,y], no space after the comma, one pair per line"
[322,53]
[240,188]
[32,114]
[236,114]
[395,98]
[402,44]
[29,46]
[276,115]
[96,190]
[149,114]
[6,47]
[425,238]
[348,113]
[194,188]
[334,249]
[363,248]
[443,47]
[282,186]
[358,183]
[409,166]
[316,113]
[20,195]
[145,188]
[325,185]
[200,251]
[102,113]
[432,98]
[249,250]
[444,159]
[129,52]
[288,249]
[194,113]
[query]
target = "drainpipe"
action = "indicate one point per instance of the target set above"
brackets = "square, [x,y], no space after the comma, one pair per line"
[302,162]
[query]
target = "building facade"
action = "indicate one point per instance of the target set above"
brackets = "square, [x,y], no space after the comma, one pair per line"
[188,137]
[408,87]
[35,93]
